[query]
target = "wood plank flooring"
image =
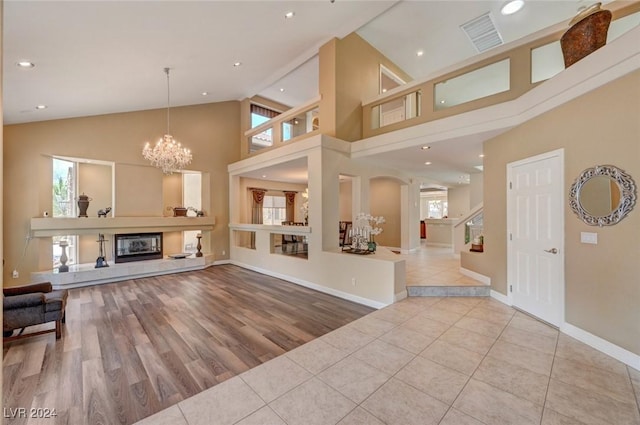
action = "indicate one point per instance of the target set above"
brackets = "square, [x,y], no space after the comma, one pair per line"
[130,349]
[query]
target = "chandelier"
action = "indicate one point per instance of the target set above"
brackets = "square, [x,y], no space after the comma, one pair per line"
[167,153]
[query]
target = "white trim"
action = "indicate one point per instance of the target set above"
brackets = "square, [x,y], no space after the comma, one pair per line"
[477,276]
[310,285]
[221,262]
[618,353]
[559,188]
[400,296]
[593,341]
[500,297]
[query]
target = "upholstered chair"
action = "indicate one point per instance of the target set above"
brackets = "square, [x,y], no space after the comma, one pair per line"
[32,305]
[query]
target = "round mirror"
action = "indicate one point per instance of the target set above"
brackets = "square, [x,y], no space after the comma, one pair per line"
[602,195]
[599,196]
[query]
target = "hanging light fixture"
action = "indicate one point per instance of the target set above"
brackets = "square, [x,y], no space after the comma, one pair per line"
[167,153]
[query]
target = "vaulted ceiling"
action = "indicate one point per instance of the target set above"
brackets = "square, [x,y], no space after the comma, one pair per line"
[97,57]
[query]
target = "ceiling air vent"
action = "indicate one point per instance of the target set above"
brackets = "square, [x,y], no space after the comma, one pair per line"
[482,32]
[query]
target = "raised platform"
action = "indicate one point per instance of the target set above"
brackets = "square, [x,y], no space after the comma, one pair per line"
[86,274]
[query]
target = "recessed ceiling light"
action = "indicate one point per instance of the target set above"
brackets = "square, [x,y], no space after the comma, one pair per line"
[384,90]
[481,155]
[442,101]
[281,89]
[427,163]
[264,176]
[205,93]
[289,15]
[419,53]
[26,64]
[511,7]
[237,64]
[424,148]
[41,107]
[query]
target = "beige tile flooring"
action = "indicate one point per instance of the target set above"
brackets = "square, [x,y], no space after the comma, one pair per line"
[447,361]
[435,266]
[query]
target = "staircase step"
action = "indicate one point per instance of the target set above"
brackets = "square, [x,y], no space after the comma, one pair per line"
[449,291]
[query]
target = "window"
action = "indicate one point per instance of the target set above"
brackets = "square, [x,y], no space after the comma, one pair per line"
[64,186]
[434,204]
[437,208]
[191,197]
[274,210]
[260,115]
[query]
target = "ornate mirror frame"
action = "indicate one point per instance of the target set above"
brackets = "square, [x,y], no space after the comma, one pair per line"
[627,195]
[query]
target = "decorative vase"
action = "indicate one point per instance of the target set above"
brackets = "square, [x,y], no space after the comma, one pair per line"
[587,34]
[372,246]
[83,204]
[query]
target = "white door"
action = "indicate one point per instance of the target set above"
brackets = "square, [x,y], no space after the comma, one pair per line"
[535,226]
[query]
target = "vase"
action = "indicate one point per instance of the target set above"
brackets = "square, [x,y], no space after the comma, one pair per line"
[83,204]
[587,34]
[372,246]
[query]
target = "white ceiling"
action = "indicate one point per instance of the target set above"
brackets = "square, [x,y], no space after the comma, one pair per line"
[96,57]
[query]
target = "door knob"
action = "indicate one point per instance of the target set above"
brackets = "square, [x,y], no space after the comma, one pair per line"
[552,250]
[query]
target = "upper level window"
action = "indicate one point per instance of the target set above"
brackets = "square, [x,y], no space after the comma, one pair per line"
[260,115]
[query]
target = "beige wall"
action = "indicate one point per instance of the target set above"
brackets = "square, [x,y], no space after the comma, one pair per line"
[385,201]
[458,200]
[96,181]
[346,200]
[476,193]
[601,281]
[349,73]
[210,131]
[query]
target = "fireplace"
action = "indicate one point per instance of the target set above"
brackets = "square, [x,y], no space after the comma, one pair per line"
[137,247]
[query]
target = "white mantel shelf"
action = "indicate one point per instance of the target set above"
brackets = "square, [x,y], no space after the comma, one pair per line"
[58,226]
[86,274]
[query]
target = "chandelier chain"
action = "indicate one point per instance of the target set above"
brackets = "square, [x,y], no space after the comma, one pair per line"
[166,71]
[167,153]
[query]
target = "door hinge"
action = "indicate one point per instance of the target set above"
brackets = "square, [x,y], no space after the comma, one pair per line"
[510,185]
[510,288]
[510,236]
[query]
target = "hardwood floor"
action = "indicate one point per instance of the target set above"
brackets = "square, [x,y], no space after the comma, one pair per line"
[133,348]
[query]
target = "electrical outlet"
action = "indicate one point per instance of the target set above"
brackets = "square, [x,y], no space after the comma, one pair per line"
[353,281]
[15,274]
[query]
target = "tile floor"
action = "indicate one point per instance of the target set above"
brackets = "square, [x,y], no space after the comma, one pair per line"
[435,266]
[447,361]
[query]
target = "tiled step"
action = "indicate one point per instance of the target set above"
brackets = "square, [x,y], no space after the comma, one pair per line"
[448,291]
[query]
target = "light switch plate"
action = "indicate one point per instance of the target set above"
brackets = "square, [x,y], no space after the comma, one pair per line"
[589,237]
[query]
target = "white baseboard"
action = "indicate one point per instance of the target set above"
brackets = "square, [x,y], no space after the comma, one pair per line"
[602,345]
[500,297]
[400,296]
[618,353]
[438,244]
[311,285]
[477,276]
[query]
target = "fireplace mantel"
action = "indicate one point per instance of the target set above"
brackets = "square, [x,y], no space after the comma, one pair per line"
[59,226]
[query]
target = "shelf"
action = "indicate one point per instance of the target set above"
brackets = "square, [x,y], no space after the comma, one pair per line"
[87,274]
[59,226]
